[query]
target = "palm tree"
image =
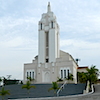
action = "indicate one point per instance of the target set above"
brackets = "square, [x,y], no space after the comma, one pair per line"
[59,79]
[54,87]
[28,87]
[4,92]
[82,77]
[92,74]
[30,79]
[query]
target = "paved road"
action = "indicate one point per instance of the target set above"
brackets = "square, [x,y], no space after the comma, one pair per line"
[97,89]
[94,96]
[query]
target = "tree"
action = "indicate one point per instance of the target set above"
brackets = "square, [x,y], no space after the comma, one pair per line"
[4,81]
[4,92]
[91,75]
[28,86]
[82,77]
[30,79]
[59,79]
[54,87]
[70,77]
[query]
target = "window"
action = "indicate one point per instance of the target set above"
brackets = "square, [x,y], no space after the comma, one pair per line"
[52,24]
[41,26]
[47,60]
[47,39]
[27,74]
[68,73]
[33,75]
[47,43]
[61,73]
[64,73]
[46,52]
[30,74]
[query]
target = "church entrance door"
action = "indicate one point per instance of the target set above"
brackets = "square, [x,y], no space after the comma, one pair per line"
[47,77]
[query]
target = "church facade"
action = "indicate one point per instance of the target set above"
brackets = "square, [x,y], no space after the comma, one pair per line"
[51,63]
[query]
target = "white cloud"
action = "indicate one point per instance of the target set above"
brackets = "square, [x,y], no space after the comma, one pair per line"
[80,44]
[12,43]
[88,52]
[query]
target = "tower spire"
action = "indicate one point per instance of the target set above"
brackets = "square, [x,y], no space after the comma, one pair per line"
[49,8]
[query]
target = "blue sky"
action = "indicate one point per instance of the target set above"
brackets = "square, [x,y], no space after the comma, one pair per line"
[79,22]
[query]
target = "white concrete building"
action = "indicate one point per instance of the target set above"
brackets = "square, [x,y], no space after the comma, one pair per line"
[51,62]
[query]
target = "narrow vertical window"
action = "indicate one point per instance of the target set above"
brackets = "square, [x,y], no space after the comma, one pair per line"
[47,39]
[52,24]
[41,26]
[27,74]
[30,74]
[68,73]
[61,73]
[47,52]
[47,60]
[47,45]
[33,75]
[64,73]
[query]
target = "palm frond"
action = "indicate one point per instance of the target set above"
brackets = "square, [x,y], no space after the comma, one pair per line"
[28,86]
[4,92]
[50,89]
[54,86]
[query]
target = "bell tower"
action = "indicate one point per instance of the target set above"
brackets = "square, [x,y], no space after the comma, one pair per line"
[48,36]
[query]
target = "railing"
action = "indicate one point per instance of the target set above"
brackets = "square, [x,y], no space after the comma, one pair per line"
[62,87]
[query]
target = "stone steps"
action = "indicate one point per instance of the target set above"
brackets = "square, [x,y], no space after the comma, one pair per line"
[41,90]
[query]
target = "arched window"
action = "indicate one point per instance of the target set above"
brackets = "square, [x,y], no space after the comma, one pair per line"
[47,60]
[52,24]
[47,38]
[61,73]
[64,73]
[41,26]
[33,75]
[68,73]
[30,75]
[27,74]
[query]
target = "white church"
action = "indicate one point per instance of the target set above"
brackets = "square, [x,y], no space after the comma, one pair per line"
[51,63]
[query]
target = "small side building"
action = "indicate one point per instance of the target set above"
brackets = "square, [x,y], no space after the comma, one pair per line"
[82,69]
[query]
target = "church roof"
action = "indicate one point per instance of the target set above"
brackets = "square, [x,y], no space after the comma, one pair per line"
[70,56]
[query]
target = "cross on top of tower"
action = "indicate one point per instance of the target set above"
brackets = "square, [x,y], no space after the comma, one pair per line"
[48,8]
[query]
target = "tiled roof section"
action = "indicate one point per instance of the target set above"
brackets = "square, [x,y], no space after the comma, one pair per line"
[82,67]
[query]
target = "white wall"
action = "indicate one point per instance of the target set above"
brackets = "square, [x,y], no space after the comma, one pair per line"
[41,46]
[52,45]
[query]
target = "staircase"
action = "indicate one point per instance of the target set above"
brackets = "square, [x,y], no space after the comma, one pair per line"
[41,90]
[72,89]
